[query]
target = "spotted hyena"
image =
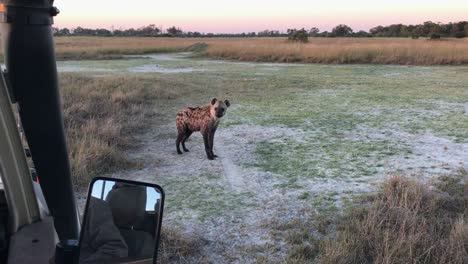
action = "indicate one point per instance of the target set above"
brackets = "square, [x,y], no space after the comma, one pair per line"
[204,119]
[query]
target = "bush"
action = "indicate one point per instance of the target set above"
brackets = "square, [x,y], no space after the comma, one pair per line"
[460,34]
[434,36]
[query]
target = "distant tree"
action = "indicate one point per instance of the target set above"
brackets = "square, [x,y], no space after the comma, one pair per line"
[118,32]
[314,32]
[300,35]
[445,29]
[130,32]
[361,34]
[426,29]
[77,31]
[419,31]
[264,33]
[149,31]
[102,32]
[64,32]
[268,33]
[376,30]
[342,31]
[174,31]
[325,34]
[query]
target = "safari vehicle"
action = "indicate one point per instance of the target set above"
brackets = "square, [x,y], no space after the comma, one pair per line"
[39,221]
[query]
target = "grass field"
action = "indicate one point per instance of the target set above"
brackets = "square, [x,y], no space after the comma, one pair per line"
[298,144]
[318,50]
[114,48]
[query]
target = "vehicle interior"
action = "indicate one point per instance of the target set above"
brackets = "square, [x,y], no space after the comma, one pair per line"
[38,212]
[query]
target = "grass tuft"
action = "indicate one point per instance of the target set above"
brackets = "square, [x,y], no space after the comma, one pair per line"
[179,248]
[406,222]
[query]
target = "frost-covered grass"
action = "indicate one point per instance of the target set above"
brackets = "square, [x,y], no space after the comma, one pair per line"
[301,138]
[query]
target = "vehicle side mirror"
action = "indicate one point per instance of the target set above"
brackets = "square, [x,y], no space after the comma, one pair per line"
[122,222]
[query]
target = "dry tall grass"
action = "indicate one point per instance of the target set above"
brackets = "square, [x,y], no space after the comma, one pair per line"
[318,50]
[112,47]
[102,115]
[343,50]
[406,222]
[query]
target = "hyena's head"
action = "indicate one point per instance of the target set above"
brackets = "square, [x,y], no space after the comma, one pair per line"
[219,107]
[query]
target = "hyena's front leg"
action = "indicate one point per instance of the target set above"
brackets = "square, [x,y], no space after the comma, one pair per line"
[212,134]
[206,140]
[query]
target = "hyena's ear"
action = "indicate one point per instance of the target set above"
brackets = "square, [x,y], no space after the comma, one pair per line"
[213,101]
[227,103]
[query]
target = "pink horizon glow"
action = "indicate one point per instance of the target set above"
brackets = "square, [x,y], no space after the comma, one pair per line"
[212,17]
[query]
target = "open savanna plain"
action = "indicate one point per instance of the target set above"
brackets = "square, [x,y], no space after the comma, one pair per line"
[403,51]
[299,143]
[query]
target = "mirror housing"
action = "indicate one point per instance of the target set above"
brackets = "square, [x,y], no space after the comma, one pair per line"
[121,222]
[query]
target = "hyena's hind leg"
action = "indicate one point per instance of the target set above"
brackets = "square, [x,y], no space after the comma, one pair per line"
[180,137]
[186,136]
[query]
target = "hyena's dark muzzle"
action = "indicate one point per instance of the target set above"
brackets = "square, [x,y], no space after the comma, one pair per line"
[220,112]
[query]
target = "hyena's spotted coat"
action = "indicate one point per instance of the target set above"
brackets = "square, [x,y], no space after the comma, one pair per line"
[204,119]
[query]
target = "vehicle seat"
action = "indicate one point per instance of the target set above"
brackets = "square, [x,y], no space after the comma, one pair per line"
[128,206]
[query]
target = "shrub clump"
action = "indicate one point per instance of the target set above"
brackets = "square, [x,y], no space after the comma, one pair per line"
[434,36]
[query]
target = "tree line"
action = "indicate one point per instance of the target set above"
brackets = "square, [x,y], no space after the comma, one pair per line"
[426,29]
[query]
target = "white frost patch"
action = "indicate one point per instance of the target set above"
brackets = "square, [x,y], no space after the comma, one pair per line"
[433,155]
[430,154]
[237,144]
[162,56]
[158,69]
[82,69]
[392,74]
[450,106]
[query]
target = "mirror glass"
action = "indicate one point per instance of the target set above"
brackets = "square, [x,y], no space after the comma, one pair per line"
[121,222]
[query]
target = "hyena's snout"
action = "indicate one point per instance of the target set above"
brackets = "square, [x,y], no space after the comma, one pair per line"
[220,113]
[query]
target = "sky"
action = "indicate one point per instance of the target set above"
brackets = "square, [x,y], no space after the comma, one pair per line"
[223,16]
